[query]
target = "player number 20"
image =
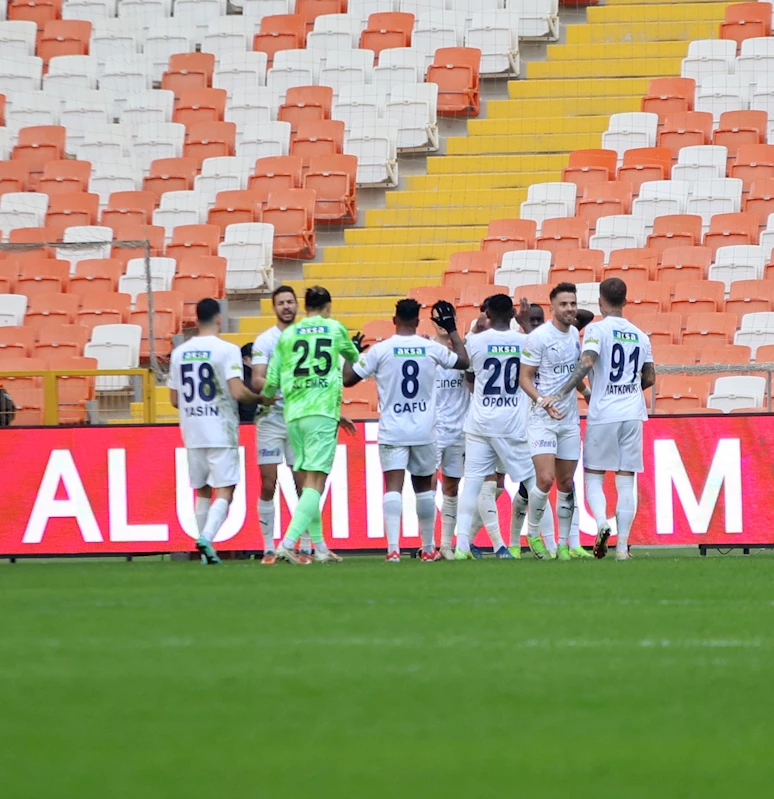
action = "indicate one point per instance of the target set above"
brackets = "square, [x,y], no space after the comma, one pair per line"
[618,363]
[510,371]
[201,383]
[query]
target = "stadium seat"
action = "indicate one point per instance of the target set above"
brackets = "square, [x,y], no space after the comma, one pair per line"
[12,309]
[674,355]
[38,11]
[739,391]
[635,265]
[750,296]
[740,262]
[209,140]
[170,174]
[746,21]
[701,296]
[630,130]
[548,201]
[700,162]
[103,308]
[13,177]
[753,163]
[536,293]
[234,207]
[725,353]
[193,240]
[563,233]
[470,268]
[43,276]
[325,137]
[588,167]
[280,32]
[717,196]
[648,297]
[240,74]
[332,178]
[729,229]
[739,128]
[64,37]
[663,328]
[64,177]
[167,320]
[16,341]
[456,71]
[474,296]
[644,164]
[760,200]
[675,393]
[523,267]
[709,328]
[132,232]
[617,233]
[57,341]
[669,96]
[604,199]
[192,287]
[756,330]
[200,105]
[691,128]
[291,212]
[46,308]
[376,148]
[305,104]
[427,296]
[26,391]
[247,249]
[708,57]
[675,230]
[275,172]
[387,30]
[661,198]
[188,71]
[681,264]
[135,206]
[507,235]
[577,266]
[31,235]
[96,275]
[22,209]
[378,330]
[69,210]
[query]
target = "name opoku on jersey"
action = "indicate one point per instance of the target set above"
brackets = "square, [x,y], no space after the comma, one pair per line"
[207,384]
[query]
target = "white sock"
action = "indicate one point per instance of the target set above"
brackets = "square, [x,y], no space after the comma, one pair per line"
[518,512]
[595,496]
[201,509]
[547,528]
[575,528]
[487,507]
[305,542]
[320,546]
[266,519]
[426,517]
[215,518]
[467,510]
[448,520]
[565,506]
[624,510]
[393,505]
[535,510]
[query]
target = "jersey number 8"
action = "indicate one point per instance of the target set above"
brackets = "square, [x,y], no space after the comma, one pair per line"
[205,378]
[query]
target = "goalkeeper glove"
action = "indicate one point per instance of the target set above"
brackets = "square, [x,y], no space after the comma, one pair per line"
[444,316]
[357,340]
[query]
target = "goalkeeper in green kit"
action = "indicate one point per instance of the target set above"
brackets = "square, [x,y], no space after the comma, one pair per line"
[305,367]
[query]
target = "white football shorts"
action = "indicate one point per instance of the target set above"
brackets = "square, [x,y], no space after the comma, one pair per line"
[614,447]
[420,461]
[217,467]
[555,437]
[272,442]
[485,455]
[451,456]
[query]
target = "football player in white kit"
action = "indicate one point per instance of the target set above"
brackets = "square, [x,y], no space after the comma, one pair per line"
[553,429]
[494,427]
[405,367]
[273,444]
[619,357]
[205,382]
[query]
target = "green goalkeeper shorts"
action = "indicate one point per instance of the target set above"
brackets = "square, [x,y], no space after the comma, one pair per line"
[314,439]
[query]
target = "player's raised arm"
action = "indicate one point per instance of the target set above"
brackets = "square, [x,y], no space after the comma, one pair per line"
[444,316]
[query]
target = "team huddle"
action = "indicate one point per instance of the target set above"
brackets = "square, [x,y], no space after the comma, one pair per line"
[503,401]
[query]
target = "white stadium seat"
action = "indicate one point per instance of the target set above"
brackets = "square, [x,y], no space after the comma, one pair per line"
[376,148]
[700,162]
[98,236]
[148,107]
[22,209]
[126,74]
[25,109]
[240,72]
[739,391]
[719,93]
[247,110]
[20,73]
[708,57]
[198,14]
[413,107]
[247,248]
[738,262]
[527,266]
[340,23]
[496,34]
[431,36]
[618,232]
[660,198]
[17,38]
[539,18]
[12,309]
[257,9]
[93,11]
[108,45]
[272,138]
[717,196]
[110,176]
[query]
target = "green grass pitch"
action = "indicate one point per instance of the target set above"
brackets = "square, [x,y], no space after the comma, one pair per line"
[488,679]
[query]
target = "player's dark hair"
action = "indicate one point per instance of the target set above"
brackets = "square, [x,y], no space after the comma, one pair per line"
[247,350]
[407,310]
[485,304]
[570,288]
[500,307]
[207,310]
[282,290]
[613,291]
[316,298]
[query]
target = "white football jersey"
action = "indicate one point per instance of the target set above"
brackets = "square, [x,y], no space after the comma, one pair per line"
[263,349]
[452,400]
[405,370]
[616,391]
[199,371]
[495,360]
[556,355]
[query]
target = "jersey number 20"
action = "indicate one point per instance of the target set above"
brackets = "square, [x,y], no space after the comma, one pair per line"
[510,371]
[618,363]
[201,383]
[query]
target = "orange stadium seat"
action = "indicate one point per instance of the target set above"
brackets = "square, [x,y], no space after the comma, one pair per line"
[200,105]
[764,354]
[564,233]
[471,262]
[311,9]
[57,341]
[753,163]
[456,71]
[32,235]
[211,265]
[44,276]
[675,393]
[669,96]
[333,178]
[129,206]
[378,330]
[427,296]
[325,137]
[702,329]
[13,176]
[38,11]
[644,164]
[728,229]
[193,240]
[680,264]
[39,144]
[675,230]
[629,258]
[361,400]
[750,296]
[291,211]
[746,21]
[536,293]
[685,129]
[386,30]
[577,266]
[9,274]
[588,167]
[188,71]
[194,285]
[65,177]
[674,355]
[46,308]
[96,275]
[209,140]
[167,321]
[74,391]
[276,172]
[170,174]
[64,37]
[232,207]
[663,328]
[305,104]
[108,308]
[27,392]
[630,273]
[604,199]
[643,298]
[473,296]
[508,235]
[740,128]
[69,210]
[760,199]
[280,32]
[698,296]
[725,353]
[16,342]
[131,231]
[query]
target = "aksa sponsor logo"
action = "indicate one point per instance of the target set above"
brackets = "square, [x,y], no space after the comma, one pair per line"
[504,349]
[625,336]
[197,355]
[409,352]
[312,330]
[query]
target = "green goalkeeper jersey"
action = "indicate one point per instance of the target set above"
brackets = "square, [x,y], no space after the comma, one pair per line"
[305,367]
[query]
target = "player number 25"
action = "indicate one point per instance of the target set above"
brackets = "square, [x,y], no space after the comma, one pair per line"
[321,353]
